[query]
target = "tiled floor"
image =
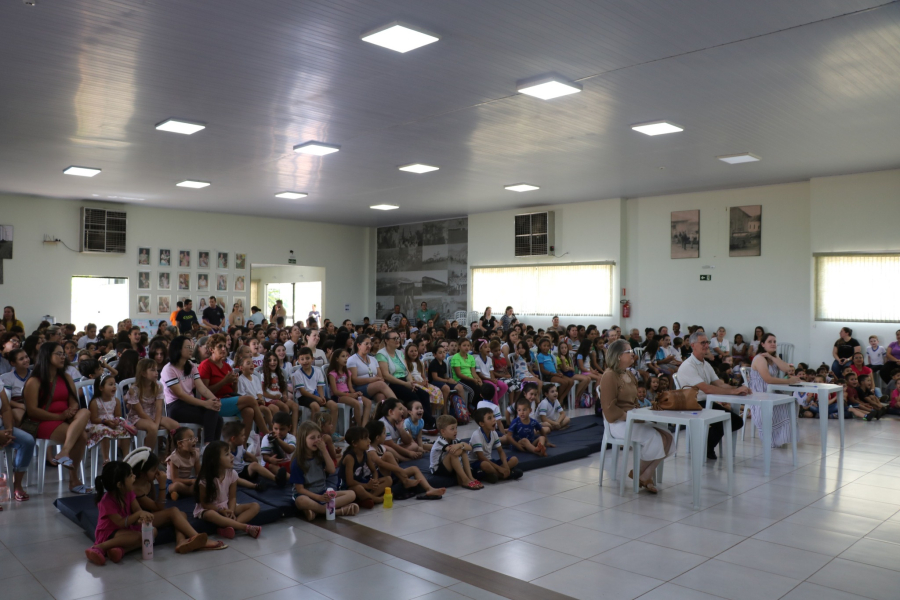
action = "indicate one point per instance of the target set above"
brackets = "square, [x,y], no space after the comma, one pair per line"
[826,529]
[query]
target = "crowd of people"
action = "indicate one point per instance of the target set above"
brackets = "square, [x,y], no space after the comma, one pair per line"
[231,404]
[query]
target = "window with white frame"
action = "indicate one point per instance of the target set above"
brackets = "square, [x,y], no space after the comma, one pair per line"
[564,290]
[858,287]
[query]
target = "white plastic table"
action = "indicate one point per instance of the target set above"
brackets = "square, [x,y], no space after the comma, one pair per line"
[766,403]
[698,423]
[822,390]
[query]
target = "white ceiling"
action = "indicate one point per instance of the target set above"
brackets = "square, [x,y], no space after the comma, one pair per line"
[811,89]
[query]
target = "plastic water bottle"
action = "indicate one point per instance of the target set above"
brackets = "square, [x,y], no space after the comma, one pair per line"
[4,489]
[388,498]
[147,540]
[329,506]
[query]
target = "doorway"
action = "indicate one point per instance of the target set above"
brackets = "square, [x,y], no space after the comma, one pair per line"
[297,287]
[99,300]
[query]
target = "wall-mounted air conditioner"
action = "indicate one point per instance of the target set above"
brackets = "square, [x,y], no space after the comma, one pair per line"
[535,233]
[102,230]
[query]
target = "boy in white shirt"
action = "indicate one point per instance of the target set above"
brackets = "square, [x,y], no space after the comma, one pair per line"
[876,354]
[277,448]
[550,411]
[309,386]
[484,442]
[254,350]
[449,456]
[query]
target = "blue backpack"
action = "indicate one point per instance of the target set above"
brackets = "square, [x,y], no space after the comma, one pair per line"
[459,409]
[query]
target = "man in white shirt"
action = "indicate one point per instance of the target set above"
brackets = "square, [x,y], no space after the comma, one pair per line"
[720,348]
[695,371]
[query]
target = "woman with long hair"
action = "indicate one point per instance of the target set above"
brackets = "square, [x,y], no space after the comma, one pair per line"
[763,371]
[51,401]
[180,379]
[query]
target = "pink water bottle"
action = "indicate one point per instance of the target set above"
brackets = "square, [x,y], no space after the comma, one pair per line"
[329,506]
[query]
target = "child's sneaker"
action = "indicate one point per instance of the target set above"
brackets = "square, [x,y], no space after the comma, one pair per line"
[96,556]
[226,532]
[281,477]
[489,477]
[253,531]
[516,473]
[115,554]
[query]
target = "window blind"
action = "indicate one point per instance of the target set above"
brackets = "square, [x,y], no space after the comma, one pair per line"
[564,290]
[858,287]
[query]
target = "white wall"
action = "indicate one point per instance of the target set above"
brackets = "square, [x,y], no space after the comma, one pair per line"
[854,213]
[37,281]
[585,232]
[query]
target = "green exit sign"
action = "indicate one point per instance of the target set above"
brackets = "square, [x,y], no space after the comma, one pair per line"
[706,278]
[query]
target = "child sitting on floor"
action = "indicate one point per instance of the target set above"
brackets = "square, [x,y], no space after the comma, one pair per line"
[484,442]
[550,411]
[526,433]
[182,464]
[247,467]
[120,516]
[216,492]
[414,424]
[449,456]
[410,477]
[310,466]
[277,447]
[390,412]
[359,472]
[323,420]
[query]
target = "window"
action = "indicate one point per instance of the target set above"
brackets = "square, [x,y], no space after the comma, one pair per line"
[564,290]
[858,287]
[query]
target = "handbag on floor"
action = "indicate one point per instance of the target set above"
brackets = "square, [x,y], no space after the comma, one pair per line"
[683,399]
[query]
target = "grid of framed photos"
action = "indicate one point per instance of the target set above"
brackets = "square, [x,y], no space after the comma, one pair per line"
[167,275]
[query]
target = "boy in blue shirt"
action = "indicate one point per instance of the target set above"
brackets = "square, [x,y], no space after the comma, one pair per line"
[526,433]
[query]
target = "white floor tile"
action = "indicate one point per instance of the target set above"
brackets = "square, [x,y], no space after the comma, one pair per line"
[605,497]
[292,593]
[24,587]
[853,577]
[275,537]
[888,532]
[650,560]
[158,589]
[721,520]
[470,591]
[457,508]
[375,581]
[456,539]
[232,582]
[807,538]
[511,522]
[705,542]
[592,581]
[421,572]
[775,558]
[873,552]
[833,521]
[577,541]
[521,560]
[736,582]
[811,591]
[621,523]
[670,591]
[400,523]
[81,580]
[316,561]
[558,509]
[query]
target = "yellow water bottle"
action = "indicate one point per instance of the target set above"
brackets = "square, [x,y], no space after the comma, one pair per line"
[388,498]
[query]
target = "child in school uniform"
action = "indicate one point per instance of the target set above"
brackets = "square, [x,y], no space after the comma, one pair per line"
[550,412]
[359,472]
[449,456]
[182,464]
[310,467]
[527,435]
[410,477]
[485,441]
[278,447]
[246,465]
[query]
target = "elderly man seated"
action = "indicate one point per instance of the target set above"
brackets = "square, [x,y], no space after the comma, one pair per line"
[695,371]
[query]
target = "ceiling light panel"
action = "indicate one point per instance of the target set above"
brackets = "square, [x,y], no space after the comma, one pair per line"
[178,126]
[736,159]
[316,148]
[384,207]
[81,171]
[521,187]
[189,183]
[291,195]
[418,168]
[547,87]
[657,128]
[400,37]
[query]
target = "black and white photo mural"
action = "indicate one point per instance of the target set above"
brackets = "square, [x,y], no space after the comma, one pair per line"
[422,262]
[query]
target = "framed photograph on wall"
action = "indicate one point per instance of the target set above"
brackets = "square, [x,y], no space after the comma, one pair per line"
[182,298]
[143,304]
[684,236]
[184,259]
[143,257]
[184,282]
[144,280]
[241,302]
[164,305]
[745,230]
[165,258]
[202,259]
[202,282]
[164,281]
[202,304]
[221,260]
[240,283]
[223,302]
[221,282]
[240,261]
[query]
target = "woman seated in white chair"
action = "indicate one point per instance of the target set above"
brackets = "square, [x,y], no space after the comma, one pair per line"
[763,371]
[618,395]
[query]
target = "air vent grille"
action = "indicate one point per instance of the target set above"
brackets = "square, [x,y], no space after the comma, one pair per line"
[534,234]
[103,230]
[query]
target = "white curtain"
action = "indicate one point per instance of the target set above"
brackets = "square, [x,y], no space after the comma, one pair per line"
[564,290]
[858,288]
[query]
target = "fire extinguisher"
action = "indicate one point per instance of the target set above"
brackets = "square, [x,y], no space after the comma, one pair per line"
[626,309]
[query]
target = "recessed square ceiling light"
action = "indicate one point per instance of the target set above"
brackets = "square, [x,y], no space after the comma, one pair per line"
[82,171]
[521,187]
[736,159]
[400,37]
[316,148]
[418,168]
[384,207]
[657,128]
[547,87]
[183,127]
[193,184]
[291,195]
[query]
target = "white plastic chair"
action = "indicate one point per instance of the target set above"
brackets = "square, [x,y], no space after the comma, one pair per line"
[745,413]
[616,444]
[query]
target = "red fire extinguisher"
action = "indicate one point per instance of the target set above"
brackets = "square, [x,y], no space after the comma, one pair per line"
[626,309]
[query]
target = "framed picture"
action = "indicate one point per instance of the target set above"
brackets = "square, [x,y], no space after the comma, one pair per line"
[745,230]
[202,282]
[202,259]
[202,304]
[184,282]
[223,302]
[143,257]
[240,261]
[143,304]
[240,283]
[184,259]
[221,260]
[182,299]
[684,235]
[164,281]
[221,282]
[164,305]
[165,258]
[144,280]
[240,302]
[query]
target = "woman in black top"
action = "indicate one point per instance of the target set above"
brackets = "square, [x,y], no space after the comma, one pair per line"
[843,351]
[488,322]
